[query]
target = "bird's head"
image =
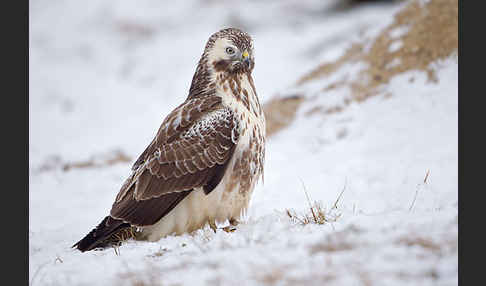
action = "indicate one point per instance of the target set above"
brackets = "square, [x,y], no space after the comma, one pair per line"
[228,53]
[230,50]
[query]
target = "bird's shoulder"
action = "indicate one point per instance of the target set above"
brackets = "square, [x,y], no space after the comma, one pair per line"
[194,117]
[196,140]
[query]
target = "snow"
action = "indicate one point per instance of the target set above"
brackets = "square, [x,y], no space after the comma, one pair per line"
[398,32]
[395,46]
[104,74]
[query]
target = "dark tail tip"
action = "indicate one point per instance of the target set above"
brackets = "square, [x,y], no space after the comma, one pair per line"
[88,242]
[100,236]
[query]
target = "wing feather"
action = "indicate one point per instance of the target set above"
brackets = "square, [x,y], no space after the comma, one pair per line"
[191,150]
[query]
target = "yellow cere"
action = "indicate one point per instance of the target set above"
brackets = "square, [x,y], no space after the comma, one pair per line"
[245,54]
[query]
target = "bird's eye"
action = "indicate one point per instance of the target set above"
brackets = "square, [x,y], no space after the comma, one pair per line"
[230,50]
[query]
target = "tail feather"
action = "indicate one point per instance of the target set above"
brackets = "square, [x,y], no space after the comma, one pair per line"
[102,235]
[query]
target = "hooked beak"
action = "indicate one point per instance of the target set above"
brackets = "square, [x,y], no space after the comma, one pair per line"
[245,58]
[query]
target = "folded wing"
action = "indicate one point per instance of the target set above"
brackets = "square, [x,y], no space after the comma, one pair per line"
[192,149]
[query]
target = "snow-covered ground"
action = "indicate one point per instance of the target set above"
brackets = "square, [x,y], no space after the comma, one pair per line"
[104,74]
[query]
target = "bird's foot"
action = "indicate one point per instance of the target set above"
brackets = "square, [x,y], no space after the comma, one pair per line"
[232,227]
[212,225]
[234,222]
[229,228]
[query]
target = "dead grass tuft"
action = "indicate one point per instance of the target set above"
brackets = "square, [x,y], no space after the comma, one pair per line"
[317,213]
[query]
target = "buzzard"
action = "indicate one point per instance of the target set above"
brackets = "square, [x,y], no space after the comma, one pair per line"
[205,160]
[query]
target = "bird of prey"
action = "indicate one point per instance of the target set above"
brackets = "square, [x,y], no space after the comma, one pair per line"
[205,160]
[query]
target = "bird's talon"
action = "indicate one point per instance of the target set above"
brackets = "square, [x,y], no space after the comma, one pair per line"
[213,226]
[229,229]
[234,222]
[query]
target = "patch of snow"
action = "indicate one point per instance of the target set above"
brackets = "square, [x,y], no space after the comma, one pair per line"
[395,46]
[400,31]
[103,76]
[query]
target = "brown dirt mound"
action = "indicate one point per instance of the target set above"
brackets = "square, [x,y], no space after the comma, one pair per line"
[280,112]
[431,34]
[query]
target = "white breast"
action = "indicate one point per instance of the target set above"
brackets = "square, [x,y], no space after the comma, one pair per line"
[255,112]
[198,209]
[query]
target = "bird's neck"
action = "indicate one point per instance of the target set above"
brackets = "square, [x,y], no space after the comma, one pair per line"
[238,92]
[201,81]
[236,89]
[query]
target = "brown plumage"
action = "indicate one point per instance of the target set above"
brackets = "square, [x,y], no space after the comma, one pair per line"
[205,159]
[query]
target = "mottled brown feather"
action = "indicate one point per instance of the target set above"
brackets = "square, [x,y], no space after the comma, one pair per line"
[179,159]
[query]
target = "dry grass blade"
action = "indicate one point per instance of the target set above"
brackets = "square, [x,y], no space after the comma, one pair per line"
[309,201]
[340,194]
[417,190]
[317,213]
[426,176]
